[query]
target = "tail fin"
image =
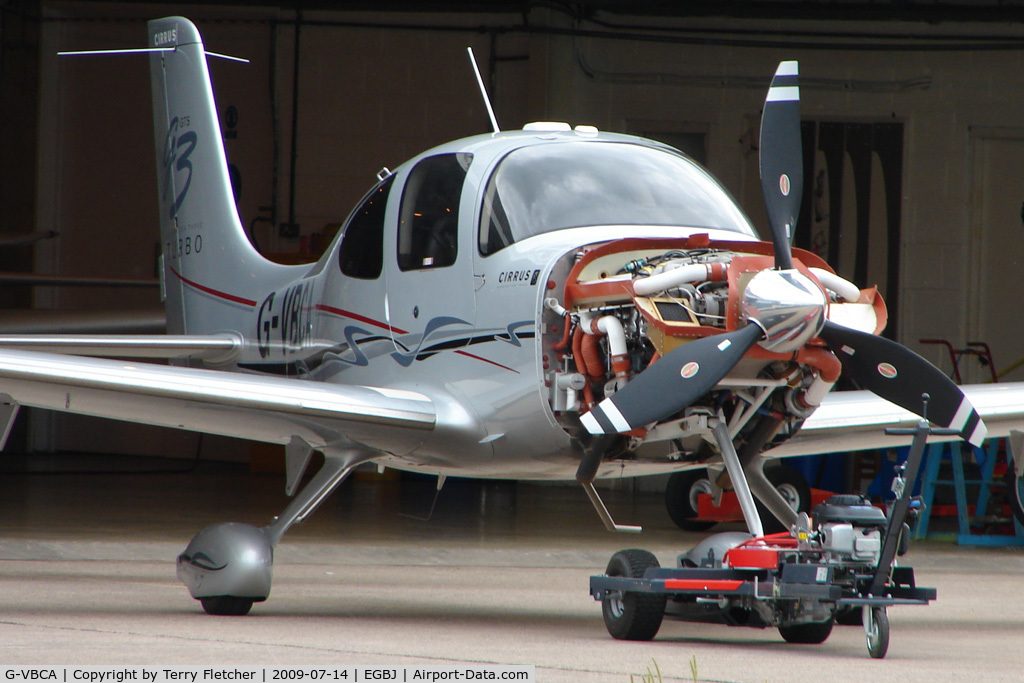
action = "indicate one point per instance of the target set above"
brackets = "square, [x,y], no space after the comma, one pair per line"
[213,277]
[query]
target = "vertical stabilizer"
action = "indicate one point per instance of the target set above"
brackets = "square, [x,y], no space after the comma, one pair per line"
[213,276]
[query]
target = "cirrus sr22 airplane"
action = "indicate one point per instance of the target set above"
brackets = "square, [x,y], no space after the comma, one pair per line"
[545,304]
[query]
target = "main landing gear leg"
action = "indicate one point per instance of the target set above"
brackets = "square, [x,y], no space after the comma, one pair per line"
[229,566]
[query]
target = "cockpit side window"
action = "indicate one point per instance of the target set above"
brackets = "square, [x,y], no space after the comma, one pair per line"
[429,218]
[361,252]
[495,232]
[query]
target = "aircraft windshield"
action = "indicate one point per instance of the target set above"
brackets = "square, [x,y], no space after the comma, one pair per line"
[543,188]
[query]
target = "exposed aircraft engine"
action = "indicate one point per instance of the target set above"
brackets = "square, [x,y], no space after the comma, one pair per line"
[628,304]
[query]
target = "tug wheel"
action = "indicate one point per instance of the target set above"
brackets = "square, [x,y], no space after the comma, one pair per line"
[681,498]
[876,627]
[814,633]
[632,616]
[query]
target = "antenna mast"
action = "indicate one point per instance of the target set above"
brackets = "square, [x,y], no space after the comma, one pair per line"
[483,90]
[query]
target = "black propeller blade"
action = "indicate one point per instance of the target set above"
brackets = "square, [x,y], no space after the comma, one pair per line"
[897,374]
[782,166]
[681,377]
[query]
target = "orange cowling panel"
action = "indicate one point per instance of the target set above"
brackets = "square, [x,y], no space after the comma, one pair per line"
[740,265]
[881,311]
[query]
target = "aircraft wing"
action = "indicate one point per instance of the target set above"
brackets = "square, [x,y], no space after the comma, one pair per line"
[276,410]
[856,420]
[270,409]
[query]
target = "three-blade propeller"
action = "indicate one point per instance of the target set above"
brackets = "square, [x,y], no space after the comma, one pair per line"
[683,375]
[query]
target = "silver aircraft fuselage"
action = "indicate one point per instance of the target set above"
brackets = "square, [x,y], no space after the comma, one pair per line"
[470,335]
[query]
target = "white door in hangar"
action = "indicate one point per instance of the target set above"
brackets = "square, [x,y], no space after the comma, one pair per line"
[997,256]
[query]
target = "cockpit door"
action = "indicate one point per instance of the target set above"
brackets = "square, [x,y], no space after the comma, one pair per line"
[430,303]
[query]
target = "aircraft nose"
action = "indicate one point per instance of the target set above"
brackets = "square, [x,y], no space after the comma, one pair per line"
[787,305]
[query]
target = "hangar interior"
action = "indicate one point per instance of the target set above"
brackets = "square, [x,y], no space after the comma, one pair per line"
[912,123]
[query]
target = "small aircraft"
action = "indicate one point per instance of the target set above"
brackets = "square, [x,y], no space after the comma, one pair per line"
[551,303]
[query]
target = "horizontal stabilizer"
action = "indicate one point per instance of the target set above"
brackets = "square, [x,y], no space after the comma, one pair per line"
[217,347]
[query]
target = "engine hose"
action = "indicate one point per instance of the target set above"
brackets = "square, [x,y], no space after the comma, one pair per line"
[591,348]
[611,327]
[577,354]
[564,341]
[621,365]
[588,397]
[577,351]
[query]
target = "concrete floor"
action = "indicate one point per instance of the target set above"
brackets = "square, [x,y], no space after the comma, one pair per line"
[498,575]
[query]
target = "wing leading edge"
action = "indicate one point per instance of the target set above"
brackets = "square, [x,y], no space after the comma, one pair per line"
[254,407]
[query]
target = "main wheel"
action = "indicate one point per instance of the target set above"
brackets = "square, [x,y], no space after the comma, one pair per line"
[632,616]
[681,498]
[227,606]
[877,630]
[814,633]
[793,487]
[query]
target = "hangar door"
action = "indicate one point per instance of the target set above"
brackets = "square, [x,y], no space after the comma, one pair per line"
[997,258]
[852,203]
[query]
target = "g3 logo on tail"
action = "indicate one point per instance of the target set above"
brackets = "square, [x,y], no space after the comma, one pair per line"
[178,146]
